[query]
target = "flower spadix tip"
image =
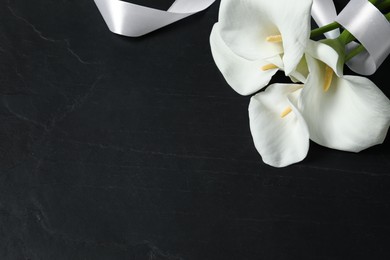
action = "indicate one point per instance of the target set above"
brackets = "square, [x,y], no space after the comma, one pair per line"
[269,67]
[328,78]
[274,38]
[285,112]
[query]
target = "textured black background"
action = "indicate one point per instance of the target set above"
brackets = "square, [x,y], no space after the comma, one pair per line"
[119,148]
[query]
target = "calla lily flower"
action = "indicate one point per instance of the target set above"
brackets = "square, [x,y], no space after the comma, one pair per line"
[253,28]
[279,131]
[254,36]
[348,113]
[243,75]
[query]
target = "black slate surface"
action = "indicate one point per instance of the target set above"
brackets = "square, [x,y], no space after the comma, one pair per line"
[119,148]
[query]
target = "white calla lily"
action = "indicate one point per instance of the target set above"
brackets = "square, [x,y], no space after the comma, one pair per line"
[348,113]
[279,132]
[260,29]
[243,75]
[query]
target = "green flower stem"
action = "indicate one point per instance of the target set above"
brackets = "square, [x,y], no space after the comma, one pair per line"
[346,37]
[359,48]
[354,52]
[326,28]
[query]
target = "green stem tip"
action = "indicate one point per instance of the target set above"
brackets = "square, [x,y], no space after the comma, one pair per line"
[326,28]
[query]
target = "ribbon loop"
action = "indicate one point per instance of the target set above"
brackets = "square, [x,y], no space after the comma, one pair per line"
[135,20]
[323,13]
[367,24]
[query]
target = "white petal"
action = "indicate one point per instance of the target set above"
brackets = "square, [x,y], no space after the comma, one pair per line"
[295,31]
[331,56]
[301,72]
[245,25]
[244,76]
[280,141]
[352,115]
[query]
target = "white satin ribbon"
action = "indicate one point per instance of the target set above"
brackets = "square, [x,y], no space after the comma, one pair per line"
[323,13]
[364,21]
[135,20]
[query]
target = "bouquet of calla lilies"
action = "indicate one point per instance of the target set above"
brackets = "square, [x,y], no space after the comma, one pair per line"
[253,39]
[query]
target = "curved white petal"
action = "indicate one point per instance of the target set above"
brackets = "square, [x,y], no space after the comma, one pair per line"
[352,115]
[244,76]
[328,54]
[301,72]
[280,141]
[245,25]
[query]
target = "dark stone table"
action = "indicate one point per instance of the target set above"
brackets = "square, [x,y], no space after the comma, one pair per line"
[120,148]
